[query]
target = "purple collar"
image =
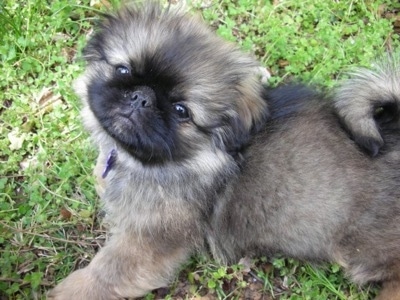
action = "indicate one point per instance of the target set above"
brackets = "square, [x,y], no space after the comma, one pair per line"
[111,159]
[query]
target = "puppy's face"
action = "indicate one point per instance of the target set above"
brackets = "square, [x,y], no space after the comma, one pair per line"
[163,87]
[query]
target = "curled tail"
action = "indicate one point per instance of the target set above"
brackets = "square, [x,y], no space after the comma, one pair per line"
[369,102]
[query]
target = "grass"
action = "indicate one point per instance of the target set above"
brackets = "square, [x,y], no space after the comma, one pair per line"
[49,214]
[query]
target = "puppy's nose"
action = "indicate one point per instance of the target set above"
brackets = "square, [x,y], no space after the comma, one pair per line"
[138,100]
[142,97]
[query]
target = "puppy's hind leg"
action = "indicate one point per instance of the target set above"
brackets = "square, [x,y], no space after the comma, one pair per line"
[390,291]
[381,266]
[126,267]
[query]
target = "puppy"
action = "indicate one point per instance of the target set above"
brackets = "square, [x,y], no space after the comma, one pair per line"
[196,154]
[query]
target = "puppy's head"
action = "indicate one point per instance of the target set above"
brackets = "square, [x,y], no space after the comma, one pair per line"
[160,85]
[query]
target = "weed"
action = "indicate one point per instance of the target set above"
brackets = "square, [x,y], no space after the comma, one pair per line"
[311,40]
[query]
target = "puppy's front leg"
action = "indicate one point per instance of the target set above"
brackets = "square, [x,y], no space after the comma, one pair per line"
[128,266]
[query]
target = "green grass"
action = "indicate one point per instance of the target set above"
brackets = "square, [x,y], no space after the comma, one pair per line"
[49,221]
[312,40]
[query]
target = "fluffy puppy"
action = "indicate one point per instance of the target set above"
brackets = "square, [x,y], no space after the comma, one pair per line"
[170,106]
[188,161]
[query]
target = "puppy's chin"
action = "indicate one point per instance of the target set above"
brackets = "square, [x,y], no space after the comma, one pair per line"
[142,134]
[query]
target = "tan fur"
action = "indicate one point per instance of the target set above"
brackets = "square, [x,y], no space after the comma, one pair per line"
[134,266]
[390,290]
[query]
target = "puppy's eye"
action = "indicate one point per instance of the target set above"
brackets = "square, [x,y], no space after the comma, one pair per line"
[122,70]
[181,111]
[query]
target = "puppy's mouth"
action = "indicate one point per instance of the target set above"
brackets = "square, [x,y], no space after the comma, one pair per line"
[130,123]
[129,116]
[141,132]
[141,141]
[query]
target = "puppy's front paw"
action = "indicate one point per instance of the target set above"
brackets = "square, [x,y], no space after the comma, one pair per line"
[82,285]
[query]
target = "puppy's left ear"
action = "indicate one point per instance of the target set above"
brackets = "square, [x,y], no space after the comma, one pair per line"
[249,117]
[252,106]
